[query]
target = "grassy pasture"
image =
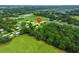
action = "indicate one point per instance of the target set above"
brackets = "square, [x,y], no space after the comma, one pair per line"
[25,43]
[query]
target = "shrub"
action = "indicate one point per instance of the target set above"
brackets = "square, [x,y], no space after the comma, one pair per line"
[4,39]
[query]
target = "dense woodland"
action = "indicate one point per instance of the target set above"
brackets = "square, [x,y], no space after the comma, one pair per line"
[60,30]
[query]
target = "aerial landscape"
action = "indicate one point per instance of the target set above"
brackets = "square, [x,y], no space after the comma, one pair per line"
[39,29]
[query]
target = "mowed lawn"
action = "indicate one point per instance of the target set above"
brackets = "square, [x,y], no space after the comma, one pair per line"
[25,43]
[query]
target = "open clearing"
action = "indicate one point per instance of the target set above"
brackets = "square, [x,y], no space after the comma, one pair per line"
[25,43]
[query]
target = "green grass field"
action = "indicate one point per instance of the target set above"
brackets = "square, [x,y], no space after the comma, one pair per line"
[76,17]
[25,43]
[33,18]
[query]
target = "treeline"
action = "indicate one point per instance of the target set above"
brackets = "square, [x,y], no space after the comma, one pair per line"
[62,35]
[59,34]
[14,12]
